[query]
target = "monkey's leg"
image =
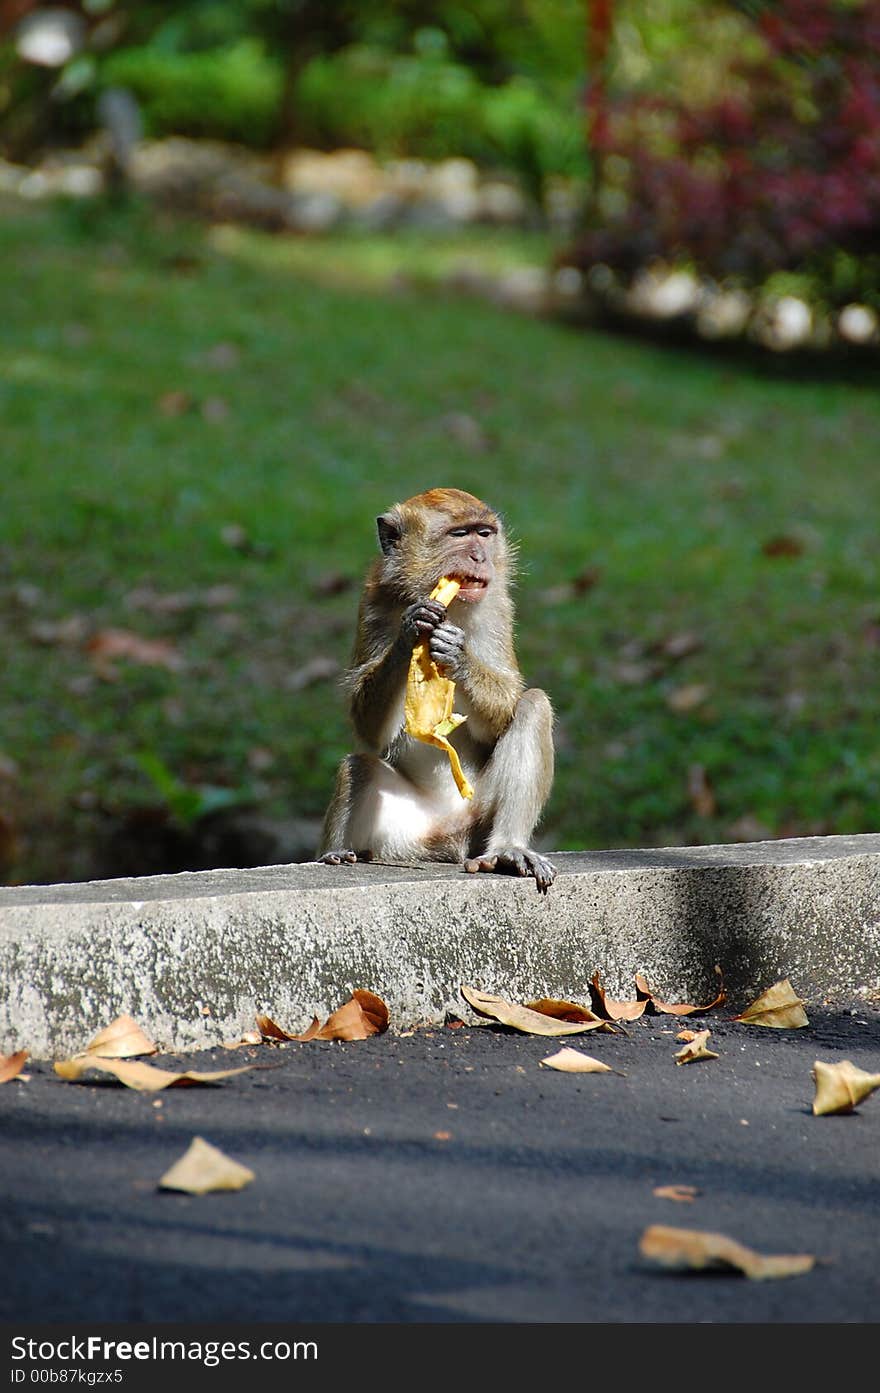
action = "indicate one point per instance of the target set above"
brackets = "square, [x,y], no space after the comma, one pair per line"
[375,811]
[335,847]
[511,791]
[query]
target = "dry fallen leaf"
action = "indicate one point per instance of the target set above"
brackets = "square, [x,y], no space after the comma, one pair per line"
[646,992]
[571,1061]
[174,403]
[203,1168]
[524,1017]
[562,1010]
[614,1010]
[682,645]
[146,1078]
[692,1248]
[270,1030]
[107,646]
[683,1194]
[688,697]
[121,1039]
[11,1065]
[250,1037]
[778,1007]
[783,544]
[686,1035]
[363,1015]
[695,1049]
[841,1087]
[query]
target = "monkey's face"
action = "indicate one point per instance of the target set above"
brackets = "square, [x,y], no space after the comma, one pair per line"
[469,552]
[444,532]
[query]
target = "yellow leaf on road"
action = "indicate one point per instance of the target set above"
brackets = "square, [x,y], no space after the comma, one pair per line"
[562,1010]
[571,1061]
[694,1249]
[11,1065]
[841,1087]
[121,1039]
[683,1194]
[203,1168]
[524,1017]
[146,1078]
[778,1007]
[695,1049]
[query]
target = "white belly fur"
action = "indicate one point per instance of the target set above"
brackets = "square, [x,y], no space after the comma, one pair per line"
[401,811]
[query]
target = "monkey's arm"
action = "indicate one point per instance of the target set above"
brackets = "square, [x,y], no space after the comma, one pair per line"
[378,680]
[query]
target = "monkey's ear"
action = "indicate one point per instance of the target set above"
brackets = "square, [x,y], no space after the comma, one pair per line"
[389,533]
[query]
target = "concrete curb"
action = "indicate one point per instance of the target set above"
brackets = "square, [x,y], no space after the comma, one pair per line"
[194,956]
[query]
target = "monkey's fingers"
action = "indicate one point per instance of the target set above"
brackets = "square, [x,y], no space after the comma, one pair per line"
[421,619]
[338,858]
[516,861]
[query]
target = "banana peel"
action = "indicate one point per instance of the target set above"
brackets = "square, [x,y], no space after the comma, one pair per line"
[429,697]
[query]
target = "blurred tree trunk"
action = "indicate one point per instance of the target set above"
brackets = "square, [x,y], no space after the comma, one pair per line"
[302,30]
[599,26]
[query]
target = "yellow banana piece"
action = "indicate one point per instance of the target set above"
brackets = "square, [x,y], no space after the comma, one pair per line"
[429,697]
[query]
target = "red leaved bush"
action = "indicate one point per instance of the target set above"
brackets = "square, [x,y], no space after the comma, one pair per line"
[780,171]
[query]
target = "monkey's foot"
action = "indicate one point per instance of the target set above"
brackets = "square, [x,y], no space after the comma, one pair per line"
[339,858]
[517,860]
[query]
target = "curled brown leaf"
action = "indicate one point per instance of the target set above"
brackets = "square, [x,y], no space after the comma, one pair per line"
[695,1049]
[11,1065]
[527,1019]
[698,1250]
[363,1015]
[654,1004]
[614,1010]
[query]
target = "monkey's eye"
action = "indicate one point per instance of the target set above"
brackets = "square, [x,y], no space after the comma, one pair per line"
[458,531]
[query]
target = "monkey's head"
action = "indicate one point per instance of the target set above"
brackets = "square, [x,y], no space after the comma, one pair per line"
[444,532]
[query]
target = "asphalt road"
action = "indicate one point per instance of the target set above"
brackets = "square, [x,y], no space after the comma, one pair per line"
[444,1176]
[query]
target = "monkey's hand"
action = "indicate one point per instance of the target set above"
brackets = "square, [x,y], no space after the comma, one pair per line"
[516,860]
[446,647]
[420,620]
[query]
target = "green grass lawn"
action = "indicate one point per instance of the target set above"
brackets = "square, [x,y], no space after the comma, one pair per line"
[163,383]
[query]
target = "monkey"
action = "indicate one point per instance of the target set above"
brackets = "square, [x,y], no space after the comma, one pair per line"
[396,798]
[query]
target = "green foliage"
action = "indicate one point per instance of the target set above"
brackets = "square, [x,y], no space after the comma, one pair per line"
[230,93]
[421,103]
